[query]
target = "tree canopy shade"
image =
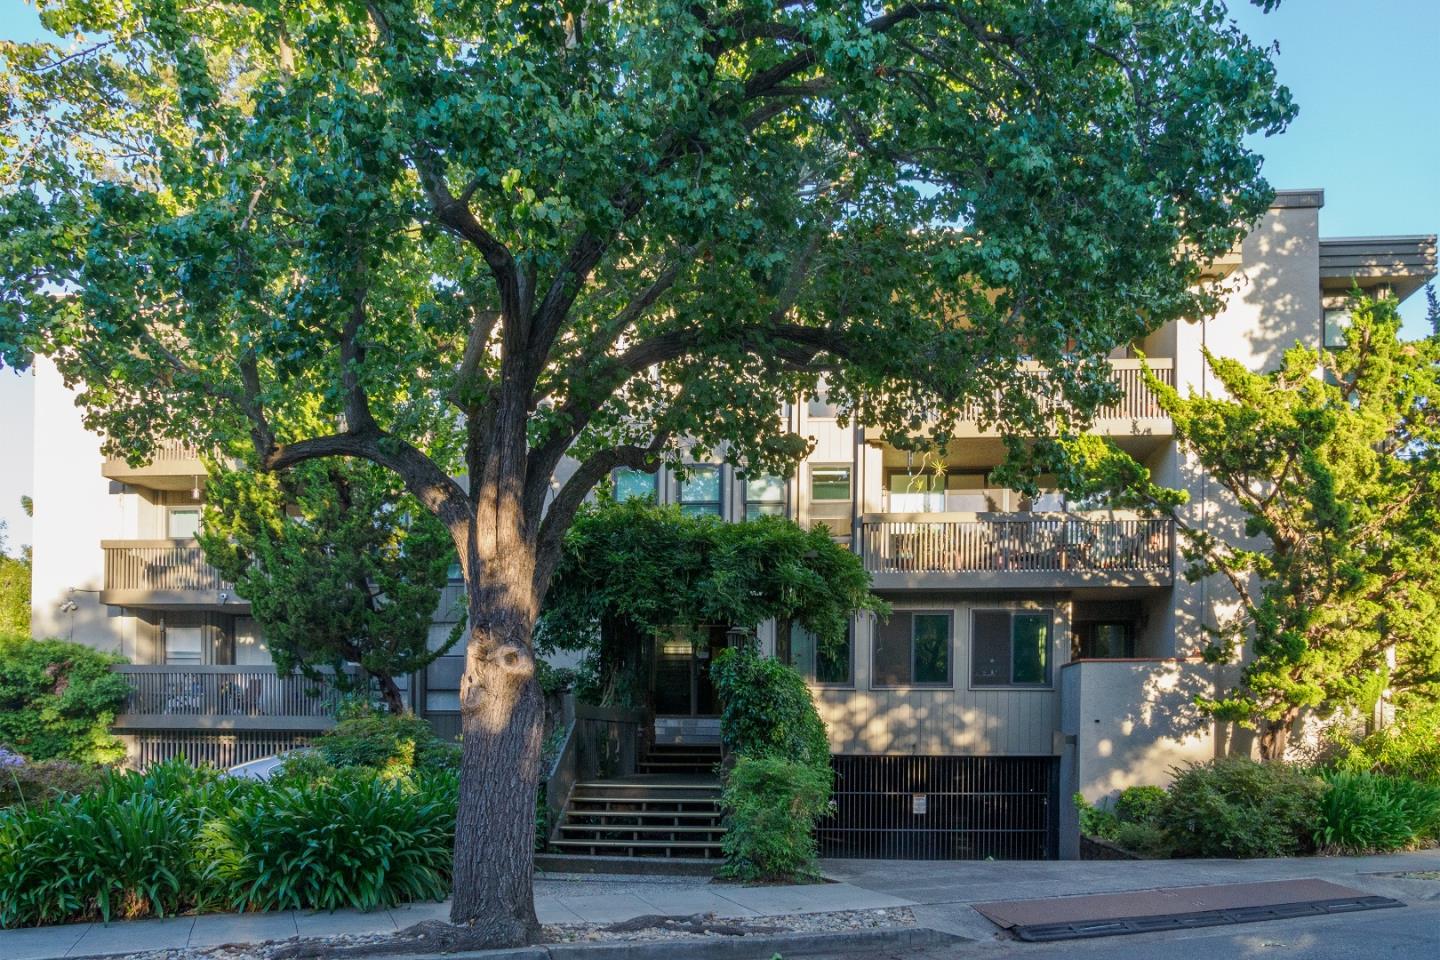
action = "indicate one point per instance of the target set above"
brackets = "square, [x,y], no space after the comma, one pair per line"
[1333,462]
[339,564]
[632,569]
[591,230]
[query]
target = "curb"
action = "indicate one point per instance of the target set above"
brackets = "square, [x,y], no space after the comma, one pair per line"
[907,939]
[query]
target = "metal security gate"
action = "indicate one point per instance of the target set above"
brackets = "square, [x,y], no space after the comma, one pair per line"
[943,808]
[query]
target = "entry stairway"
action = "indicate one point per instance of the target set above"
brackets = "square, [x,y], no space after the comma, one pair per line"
[670,809]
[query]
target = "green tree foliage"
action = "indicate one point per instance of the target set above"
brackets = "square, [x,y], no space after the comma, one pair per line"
[767,710]
[1333,461]
[339,564]
[632,569]
[58,699]
[597,229]
[14,590]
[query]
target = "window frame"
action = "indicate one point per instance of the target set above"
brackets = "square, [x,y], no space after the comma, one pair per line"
[913,684]
[194,508]
[1012,612]
[812,400]
[615,484]
[783,502]
[203,639]
[849,469]
[812,677]
[718,502]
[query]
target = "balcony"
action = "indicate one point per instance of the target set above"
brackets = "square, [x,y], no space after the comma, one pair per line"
[1012,551]
[1137,413]
[175,466]
[165,574]
[223,698]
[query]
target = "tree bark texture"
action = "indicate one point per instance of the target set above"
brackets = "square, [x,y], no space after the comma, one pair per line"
[502,720]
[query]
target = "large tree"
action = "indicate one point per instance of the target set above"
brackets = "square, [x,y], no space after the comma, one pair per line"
[340,566]
[1331,464]
[589,230]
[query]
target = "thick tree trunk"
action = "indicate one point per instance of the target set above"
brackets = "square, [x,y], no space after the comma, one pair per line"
[502,718]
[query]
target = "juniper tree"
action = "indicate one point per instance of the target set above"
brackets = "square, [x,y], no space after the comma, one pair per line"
[588,230]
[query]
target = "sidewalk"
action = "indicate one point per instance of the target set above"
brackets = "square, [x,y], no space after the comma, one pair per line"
[938,892]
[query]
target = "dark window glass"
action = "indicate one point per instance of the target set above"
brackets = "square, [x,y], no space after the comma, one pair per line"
[1031,642]
[990,648]
[932,647]
[1099,641]
[700,491]
[824,663]
[912,649]
[1010,648]
[892,651]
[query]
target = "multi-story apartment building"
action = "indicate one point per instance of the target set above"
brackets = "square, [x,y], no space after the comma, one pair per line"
[1035,650]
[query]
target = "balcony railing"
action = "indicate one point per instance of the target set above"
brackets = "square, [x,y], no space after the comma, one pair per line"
[236,697]
[159,565]
[1015,543]
[1137,401]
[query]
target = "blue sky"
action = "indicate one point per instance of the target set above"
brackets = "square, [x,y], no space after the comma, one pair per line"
[1365,73]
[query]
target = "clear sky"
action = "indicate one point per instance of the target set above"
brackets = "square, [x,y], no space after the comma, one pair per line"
[1365,73]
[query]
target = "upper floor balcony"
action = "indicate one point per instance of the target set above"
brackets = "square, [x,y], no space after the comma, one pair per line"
[1016,550]
[224,697]
[1137,412]
[175,466]
[165,573]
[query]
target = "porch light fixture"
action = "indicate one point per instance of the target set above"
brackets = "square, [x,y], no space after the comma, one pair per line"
[195,489]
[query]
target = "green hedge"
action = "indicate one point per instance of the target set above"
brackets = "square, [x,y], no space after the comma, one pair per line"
[780,782]
[180,838]
[1361,812]
[394,744]
[58,699]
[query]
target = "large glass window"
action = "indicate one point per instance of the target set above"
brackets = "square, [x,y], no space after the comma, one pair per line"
[1010,648]
[700,491]
[917,493]
[633,484]
[823,663]
[764,497]
[1105,640]
[912,648]
[829,483]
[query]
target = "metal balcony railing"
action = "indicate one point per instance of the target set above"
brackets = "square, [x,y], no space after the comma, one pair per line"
[169,565]
[224,691]
[1043,543]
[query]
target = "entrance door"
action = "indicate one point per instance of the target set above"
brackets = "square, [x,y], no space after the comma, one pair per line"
[681,684]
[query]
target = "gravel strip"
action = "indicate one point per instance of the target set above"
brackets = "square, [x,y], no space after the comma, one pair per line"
[666,928]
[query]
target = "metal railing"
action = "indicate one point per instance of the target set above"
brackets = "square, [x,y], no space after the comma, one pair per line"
[159,565]
[224,691]
[941,543]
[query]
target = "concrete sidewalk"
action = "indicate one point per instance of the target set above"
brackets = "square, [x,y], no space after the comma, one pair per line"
[939,893]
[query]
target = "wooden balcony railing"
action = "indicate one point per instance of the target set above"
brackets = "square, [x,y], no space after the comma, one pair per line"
[1015,542]
[223,692]
[164,565]
[1137,401]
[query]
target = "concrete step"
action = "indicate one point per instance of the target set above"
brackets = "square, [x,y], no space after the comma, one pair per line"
[638,848]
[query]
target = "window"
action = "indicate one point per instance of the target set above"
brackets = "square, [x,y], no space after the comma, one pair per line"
[826,664]
[912,648]
[830,483]
[633,484]
[819,407]
[184,645]
[917,493]
[1337,321]
[182,523]
[1110,640]
[700,491]
[764,497]
[1010,648]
